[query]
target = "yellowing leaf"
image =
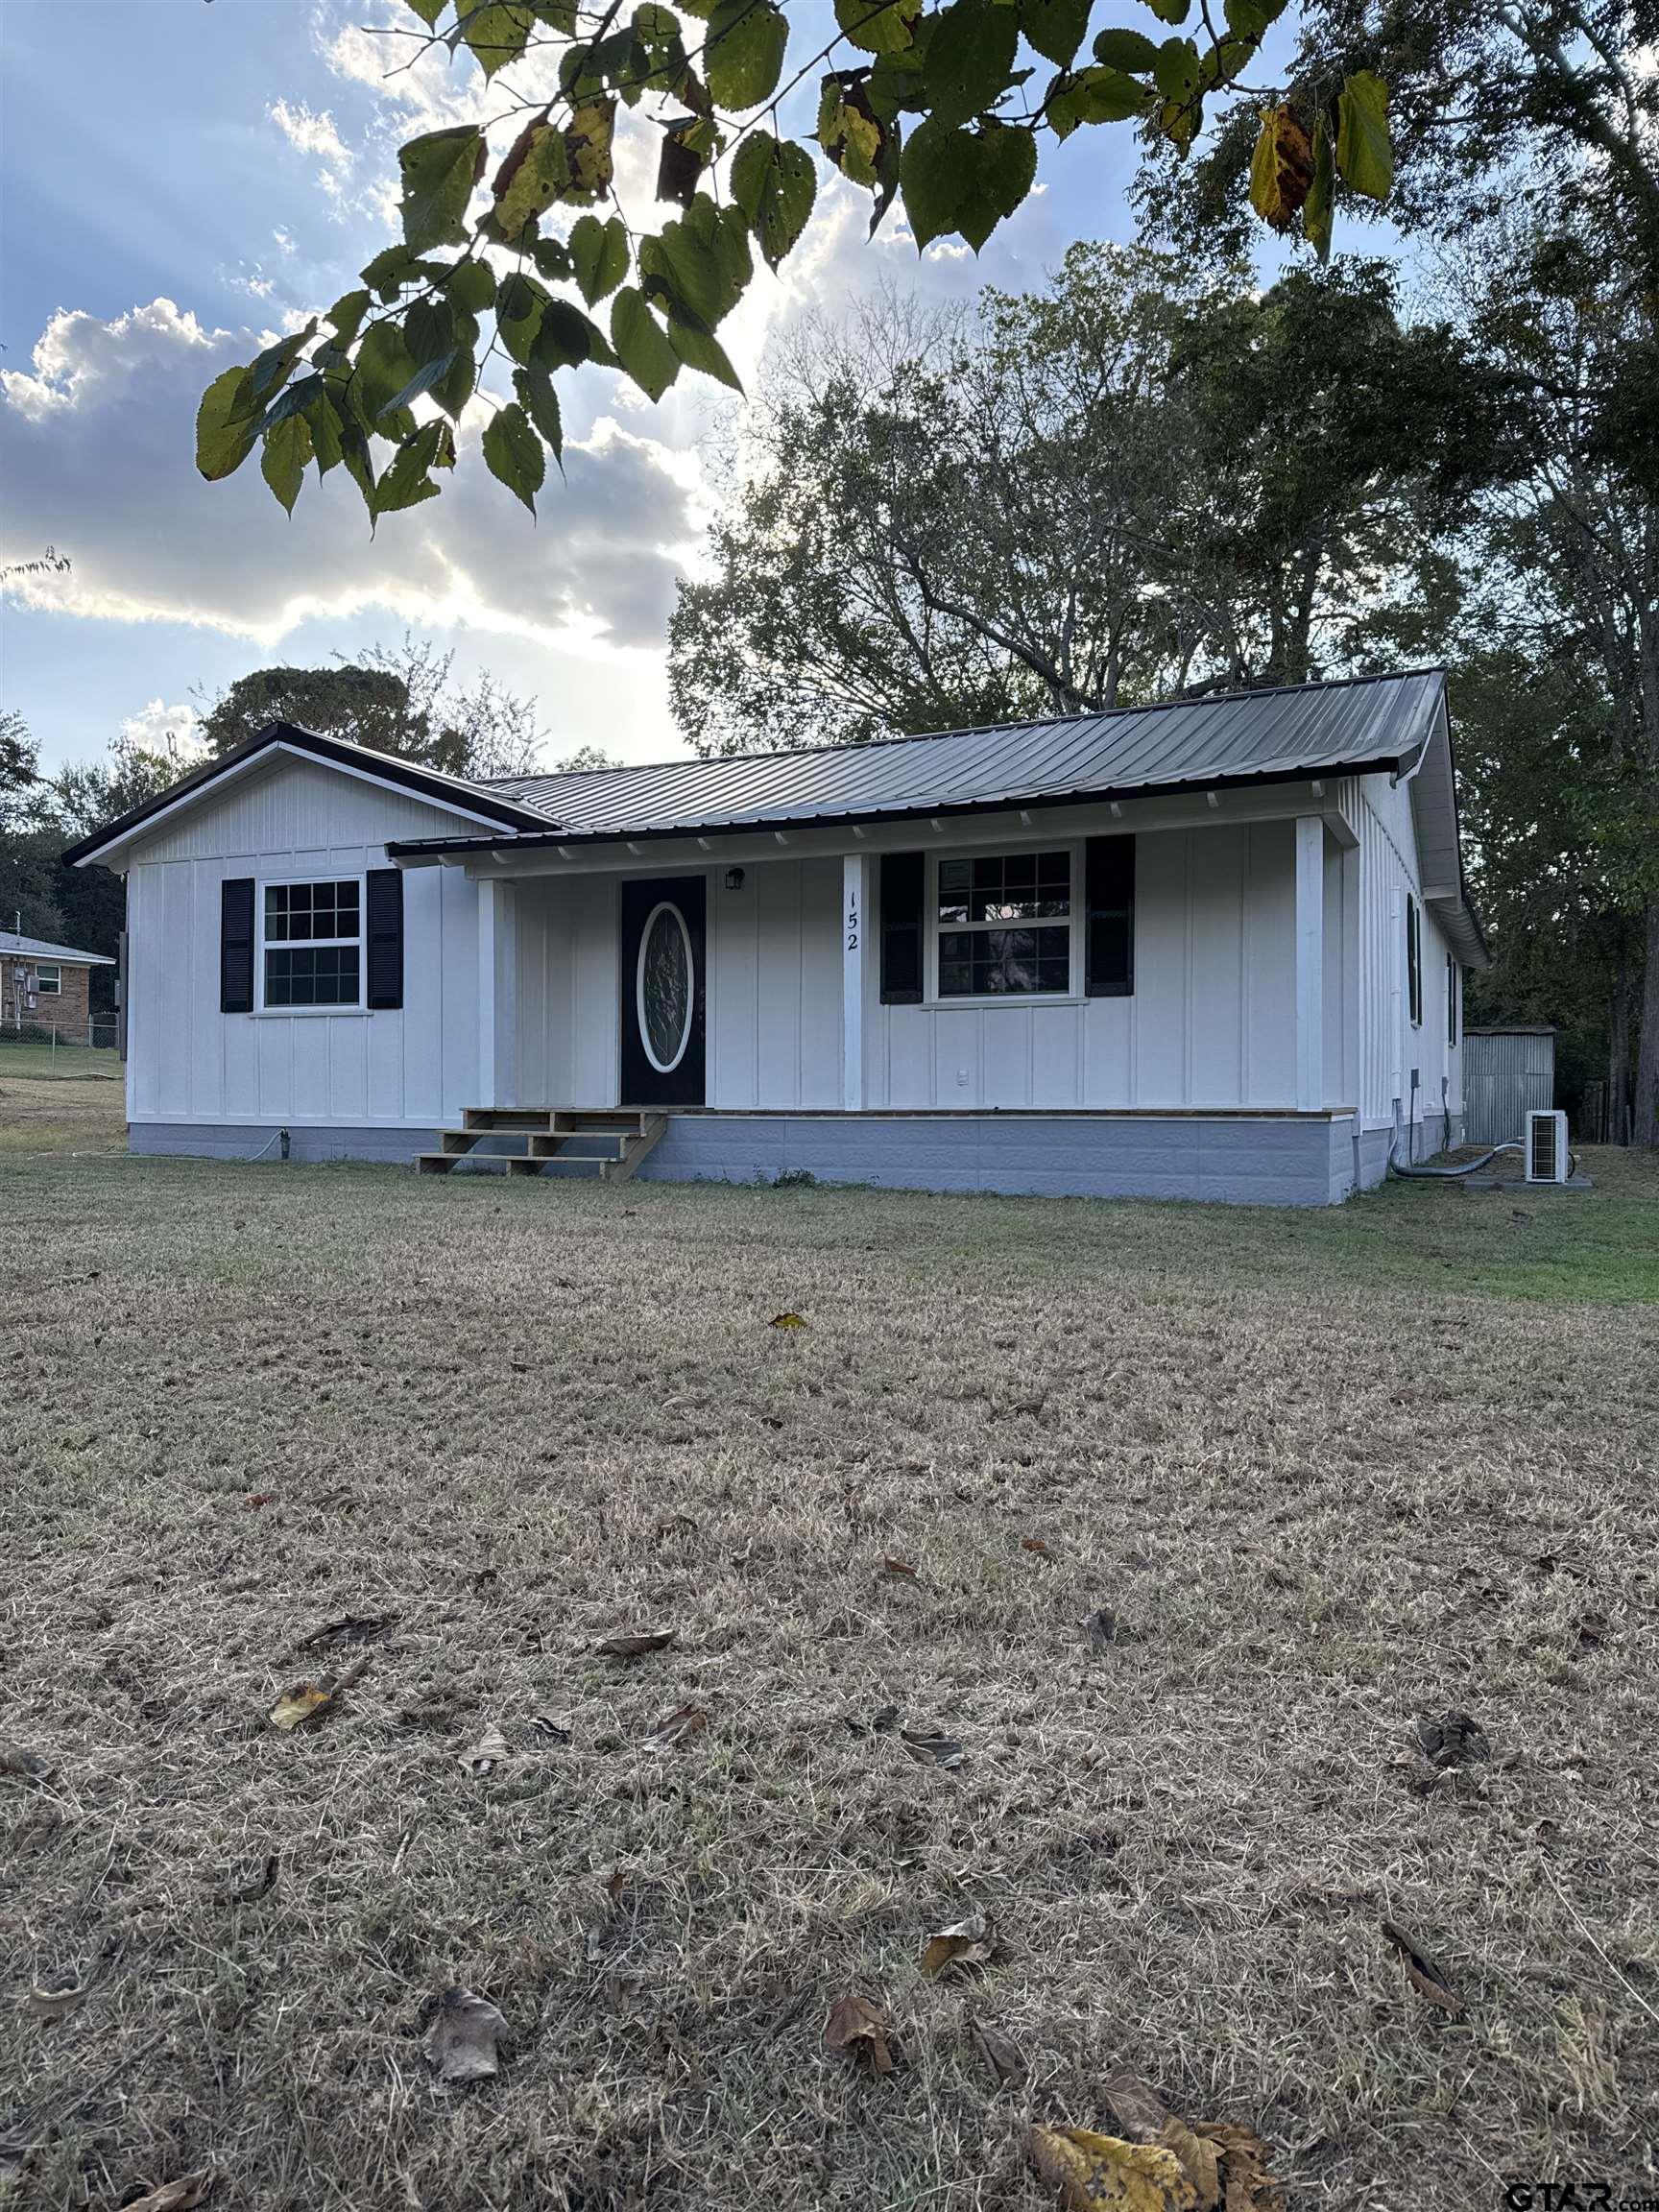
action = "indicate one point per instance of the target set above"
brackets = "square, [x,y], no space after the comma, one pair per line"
[1281,169]
[965,1943]
[787,1321]
[535,173]
[180,2196]
[1364,152]
[588,145]
[298,1703]
[634,1643]
[1092,2173]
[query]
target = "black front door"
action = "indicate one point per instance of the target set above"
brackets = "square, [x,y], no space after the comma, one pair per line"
[662,991]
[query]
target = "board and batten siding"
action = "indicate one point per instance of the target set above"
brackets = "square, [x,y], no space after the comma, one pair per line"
[1391,1047]
[189,1062]
[1211,1022]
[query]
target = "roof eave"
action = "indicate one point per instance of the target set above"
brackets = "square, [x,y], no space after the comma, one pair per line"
[719,826]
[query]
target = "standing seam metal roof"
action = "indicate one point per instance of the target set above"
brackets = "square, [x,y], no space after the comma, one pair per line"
[1301,729]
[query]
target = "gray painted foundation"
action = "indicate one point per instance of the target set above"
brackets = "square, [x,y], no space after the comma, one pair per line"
[235,1141]
[1233,1160]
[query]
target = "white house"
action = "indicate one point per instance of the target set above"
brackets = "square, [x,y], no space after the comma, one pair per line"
[1210,949]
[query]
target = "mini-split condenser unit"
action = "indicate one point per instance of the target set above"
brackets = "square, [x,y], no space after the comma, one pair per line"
[1546,1147]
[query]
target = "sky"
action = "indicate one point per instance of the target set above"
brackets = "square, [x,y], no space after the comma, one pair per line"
[182,180]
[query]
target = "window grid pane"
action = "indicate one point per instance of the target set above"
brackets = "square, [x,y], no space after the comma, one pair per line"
[1000,888]
[997,963]
[302,911]
[312,975]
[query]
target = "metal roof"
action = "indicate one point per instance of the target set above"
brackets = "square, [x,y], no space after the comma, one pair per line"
[14,946]
[1309,728]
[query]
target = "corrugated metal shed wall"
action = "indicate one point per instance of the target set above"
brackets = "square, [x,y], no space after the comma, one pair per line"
[1507,1073]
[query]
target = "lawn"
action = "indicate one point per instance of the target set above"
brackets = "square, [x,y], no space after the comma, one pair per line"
[1329,1474]
[67,1099]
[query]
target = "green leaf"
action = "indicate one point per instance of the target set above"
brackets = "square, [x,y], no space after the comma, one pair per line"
[272,369]
[1175,70]
[970,58]
[393,267]
[382,369]
[1129,50]
[438,173]
[426,378]
[1251,19]
[1004,170]
[702,350]
[513,452]
[642,344]
[472,284]
[1101,95]
[282,463]
[429,329]
[598,255]
[774,182]
[533,176]
[1365,153]
[933,178]
[567,339]
[744,53]
[1316,207]
[1171,11]
[406,481]
[1054,28]
[322,419]
[345,317]
[534,389]
[458,383]
[496,31]
[227,424]
[888,30]
[520,303]
[428,11]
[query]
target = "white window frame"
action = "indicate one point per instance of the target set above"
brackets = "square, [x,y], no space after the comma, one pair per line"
[264,884]
[1074,992]
[53,970]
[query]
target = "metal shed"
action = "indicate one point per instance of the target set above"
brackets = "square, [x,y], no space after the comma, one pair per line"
[1508,1073]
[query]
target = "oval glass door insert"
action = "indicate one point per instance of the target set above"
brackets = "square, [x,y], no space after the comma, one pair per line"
[663,987]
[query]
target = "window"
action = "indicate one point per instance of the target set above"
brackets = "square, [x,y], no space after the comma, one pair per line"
[312,944]
[1005,926]
[1414,961]
[1451,999]
[49,979]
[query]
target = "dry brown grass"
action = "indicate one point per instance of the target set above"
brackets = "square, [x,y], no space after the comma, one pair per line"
[1324,1485]
[40,1112]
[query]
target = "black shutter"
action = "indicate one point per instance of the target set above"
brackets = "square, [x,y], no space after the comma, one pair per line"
[236,945]
[1413,962]
[903,877]
[384,939]
[1109,894]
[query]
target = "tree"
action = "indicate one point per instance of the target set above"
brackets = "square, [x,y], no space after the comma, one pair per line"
[1135,484]
[27,847]
[942,108]
[403,700]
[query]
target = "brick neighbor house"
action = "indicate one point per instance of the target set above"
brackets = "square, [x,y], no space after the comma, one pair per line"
[47,986]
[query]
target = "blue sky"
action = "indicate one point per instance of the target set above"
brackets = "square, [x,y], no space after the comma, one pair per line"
[180,177]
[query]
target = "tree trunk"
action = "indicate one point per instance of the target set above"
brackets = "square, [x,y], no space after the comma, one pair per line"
[1646,1128]
[1619,1052]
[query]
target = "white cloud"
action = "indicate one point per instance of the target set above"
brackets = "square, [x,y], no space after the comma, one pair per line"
[317,137]
[97,447]
[160,725]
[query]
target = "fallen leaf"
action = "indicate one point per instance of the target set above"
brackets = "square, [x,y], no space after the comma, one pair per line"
[932,1750]
[1198,2159]
[1000,2053]
[612,1892]
[1452,1739]
[1104,2174]
[460,2041]
[787,1321]
[1593,1630]
[176,2196]
[52,2004]
[856,2027]
[965,1943]
[1139,2110]
[261,1885]
[1246,2184]
[253,1502]
[1420,1971]
[634,1645]
[881,1722]
[896,1570]
[555,1731]
[678,1524]
[678,1726]
[298,1703]
[487,1754]
[1037,1545]
[1102,1626]
[349,1628]
[26,1765]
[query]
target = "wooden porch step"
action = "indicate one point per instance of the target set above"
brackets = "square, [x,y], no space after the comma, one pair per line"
[565,1145]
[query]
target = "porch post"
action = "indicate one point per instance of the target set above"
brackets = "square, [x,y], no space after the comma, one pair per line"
[1310,962]
[855,967]
[497,994]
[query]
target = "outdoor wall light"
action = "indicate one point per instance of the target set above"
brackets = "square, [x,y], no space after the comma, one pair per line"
[733,878]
